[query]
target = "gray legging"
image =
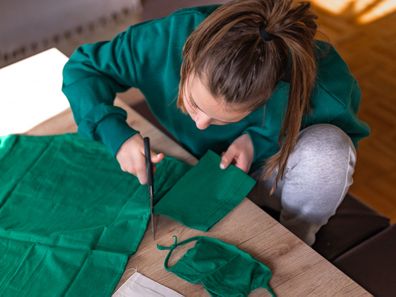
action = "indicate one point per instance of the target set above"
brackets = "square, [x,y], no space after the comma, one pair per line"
[317,177]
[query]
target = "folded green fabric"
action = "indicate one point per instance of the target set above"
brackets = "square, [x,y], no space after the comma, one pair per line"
[205,194]
[69,217]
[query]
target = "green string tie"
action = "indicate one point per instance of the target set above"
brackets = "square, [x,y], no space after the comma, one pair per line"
[171,247]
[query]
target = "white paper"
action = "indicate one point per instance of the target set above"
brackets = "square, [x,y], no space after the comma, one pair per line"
[139,285]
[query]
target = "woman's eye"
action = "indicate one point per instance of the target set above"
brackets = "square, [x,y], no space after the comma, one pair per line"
[193,104]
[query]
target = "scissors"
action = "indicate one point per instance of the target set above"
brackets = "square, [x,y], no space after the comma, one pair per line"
[150,181]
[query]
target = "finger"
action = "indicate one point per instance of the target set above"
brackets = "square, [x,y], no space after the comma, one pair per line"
[243,163]
[156,158]
[141,175]
[227,158]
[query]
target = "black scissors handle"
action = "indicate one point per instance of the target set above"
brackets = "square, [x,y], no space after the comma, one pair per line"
[149,164]
[150,181]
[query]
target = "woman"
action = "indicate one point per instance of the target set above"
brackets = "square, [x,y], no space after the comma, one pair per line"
[245,79]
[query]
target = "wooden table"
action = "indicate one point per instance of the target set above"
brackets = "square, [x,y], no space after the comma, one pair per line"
[297,269]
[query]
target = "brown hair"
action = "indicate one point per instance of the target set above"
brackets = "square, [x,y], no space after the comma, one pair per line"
[239,66]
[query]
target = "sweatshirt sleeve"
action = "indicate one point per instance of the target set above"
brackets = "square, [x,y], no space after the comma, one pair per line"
[91,78]
[348,119]
[338,95]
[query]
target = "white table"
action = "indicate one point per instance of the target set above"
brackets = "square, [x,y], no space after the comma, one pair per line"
[30,92]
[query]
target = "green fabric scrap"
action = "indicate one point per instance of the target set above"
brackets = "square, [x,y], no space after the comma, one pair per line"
[205,194]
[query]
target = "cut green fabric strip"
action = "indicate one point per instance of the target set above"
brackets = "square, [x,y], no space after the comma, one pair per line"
[223,269]
[205,194]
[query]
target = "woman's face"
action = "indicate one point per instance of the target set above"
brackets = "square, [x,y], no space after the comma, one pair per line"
[206,110]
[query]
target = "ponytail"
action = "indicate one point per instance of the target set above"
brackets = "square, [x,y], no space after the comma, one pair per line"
[295,28]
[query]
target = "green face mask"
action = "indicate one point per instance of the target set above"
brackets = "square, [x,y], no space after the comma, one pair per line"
[223,269]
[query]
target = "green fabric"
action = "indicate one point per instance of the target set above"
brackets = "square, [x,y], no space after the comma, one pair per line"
[148,56]
[223,269]
[69,217]
[31,269]
[205,194]
[69,192]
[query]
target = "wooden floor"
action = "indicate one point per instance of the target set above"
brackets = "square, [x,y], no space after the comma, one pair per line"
[370,51]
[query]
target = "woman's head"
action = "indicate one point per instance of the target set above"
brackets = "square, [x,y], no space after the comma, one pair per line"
[205,108]
[228,61]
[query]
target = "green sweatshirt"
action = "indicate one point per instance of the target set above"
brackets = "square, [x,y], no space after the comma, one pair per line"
[148,56]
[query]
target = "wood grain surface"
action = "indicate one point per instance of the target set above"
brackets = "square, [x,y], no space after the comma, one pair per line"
[297,269]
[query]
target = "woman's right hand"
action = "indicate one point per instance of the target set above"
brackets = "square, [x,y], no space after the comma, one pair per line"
[131,157]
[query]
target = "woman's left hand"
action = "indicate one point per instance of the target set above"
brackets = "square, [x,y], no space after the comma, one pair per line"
[240,153]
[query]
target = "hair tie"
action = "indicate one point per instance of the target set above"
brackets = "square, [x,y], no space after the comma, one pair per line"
[264,34]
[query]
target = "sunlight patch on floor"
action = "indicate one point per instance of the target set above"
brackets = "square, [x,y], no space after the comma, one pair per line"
[363,11]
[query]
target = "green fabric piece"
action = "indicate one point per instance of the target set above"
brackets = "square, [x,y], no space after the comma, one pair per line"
[30,269]
[223,269]
[70,192]
[69,217]
[135,58]
[205,194]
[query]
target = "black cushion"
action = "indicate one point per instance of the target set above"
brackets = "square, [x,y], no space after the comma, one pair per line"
[353,223]
[372,263]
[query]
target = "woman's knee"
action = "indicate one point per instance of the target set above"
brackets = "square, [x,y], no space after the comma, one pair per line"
[320,171]
[324,141]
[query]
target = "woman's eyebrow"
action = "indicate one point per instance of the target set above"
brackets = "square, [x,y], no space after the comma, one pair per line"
[194,103]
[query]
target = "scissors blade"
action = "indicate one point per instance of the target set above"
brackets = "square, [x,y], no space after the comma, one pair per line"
[151,211]
[150,181]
